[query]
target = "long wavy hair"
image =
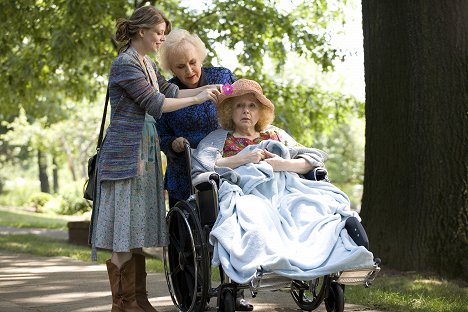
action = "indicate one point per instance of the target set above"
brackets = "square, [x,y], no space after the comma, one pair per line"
[142,18]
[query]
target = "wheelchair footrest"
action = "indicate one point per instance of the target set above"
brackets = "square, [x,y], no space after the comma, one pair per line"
[358,277]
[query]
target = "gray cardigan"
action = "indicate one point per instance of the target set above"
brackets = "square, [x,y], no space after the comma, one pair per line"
[131,96]
[211,148]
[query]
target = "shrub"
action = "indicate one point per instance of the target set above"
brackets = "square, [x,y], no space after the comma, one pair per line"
[39,200]
[54,205]
[74,204]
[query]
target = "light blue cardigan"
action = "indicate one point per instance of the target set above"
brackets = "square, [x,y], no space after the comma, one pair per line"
[131,96]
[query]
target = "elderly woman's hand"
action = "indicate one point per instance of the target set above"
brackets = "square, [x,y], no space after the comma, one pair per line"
[254,156]
[178,144]
[299,165]
[217,87]
[275,161]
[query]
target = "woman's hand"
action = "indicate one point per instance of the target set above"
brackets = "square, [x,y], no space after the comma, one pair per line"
[275,161]
[208,94]
[178,144]
[218,87]
[299,165]
[254,156]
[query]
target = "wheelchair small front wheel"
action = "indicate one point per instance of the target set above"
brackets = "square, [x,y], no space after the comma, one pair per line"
[335,300]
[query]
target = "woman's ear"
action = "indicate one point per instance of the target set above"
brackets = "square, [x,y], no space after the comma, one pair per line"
[141,32]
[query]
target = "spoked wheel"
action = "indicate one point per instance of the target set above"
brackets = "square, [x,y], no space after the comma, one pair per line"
[335,300]
[308,295]
[186,261]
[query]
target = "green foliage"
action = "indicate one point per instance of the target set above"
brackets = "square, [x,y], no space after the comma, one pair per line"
[68,204]
[65,48]
[57,54]
[345,146]
[263,28]
[309,112]
[2,183]
[54,49]
[72,204]
[18,194]
[39,200]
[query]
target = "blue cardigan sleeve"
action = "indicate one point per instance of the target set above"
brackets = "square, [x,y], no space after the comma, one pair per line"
[166,135]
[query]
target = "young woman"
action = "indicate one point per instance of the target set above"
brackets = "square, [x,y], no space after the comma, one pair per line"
[130,210]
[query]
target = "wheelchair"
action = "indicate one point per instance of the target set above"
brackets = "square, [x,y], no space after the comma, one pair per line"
[187,259]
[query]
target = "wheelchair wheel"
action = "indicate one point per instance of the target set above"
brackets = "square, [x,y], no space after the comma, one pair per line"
[335,300]
[228,301]
[308,295]
[186,261]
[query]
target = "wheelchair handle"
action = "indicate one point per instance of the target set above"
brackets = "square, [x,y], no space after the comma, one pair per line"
[188,160]
[317,174]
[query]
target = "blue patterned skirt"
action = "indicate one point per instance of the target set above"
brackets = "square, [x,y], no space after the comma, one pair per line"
[132,212]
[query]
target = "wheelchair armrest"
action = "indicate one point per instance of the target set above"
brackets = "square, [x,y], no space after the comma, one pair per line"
[207,185]
[317,174]
[203,181]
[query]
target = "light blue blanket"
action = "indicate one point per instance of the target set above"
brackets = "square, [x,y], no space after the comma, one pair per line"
[288,225]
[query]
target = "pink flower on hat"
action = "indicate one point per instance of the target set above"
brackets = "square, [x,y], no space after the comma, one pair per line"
[227,89]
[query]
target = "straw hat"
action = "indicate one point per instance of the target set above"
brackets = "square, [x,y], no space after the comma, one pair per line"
[241,87]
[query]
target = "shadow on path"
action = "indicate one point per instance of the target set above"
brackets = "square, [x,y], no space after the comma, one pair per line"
[53,284]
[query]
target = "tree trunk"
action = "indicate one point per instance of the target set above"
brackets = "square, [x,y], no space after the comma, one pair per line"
[43,177]
[415,202]
[55,174]
[70,160]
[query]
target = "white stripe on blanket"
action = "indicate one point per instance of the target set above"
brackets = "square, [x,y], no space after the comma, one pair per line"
[288,225]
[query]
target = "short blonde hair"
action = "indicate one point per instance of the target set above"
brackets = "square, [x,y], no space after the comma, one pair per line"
[174,43]
[265,115]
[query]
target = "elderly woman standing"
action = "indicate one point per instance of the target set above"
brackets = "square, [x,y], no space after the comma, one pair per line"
[129,211]
[183,54]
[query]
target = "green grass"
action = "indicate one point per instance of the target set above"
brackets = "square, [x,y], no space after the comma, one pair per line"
[24,219]
[411,292]
[52,247]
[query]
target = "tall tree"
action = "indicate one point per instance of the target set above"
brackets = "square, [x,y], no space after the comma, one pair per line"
[56,51]
[65,48]
[415,203]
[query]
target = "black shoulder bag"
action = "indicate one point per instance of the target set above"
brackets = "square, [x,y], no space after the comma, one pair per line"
[90,184]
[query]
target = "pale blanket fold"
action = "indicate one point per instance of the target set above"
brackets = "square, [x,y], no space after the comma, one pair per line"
[288,225]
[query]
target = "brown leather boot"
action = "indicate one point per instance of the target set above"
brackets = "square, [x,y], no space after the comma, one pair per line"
[140,284]
[122,282]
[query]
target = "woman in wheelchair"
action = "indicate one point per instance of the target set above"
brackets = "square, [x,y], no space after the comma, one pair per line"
[270,216]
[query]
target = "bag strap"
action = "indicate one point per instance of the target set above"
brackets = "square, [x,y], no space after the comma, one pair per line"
[103,122]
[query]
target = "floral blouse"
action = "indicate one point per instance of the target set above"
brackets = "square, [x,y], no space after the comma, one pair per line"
[234,145]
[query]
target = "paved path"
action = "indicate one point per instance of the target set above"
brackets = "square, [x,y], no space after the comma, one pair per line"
[61,284]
